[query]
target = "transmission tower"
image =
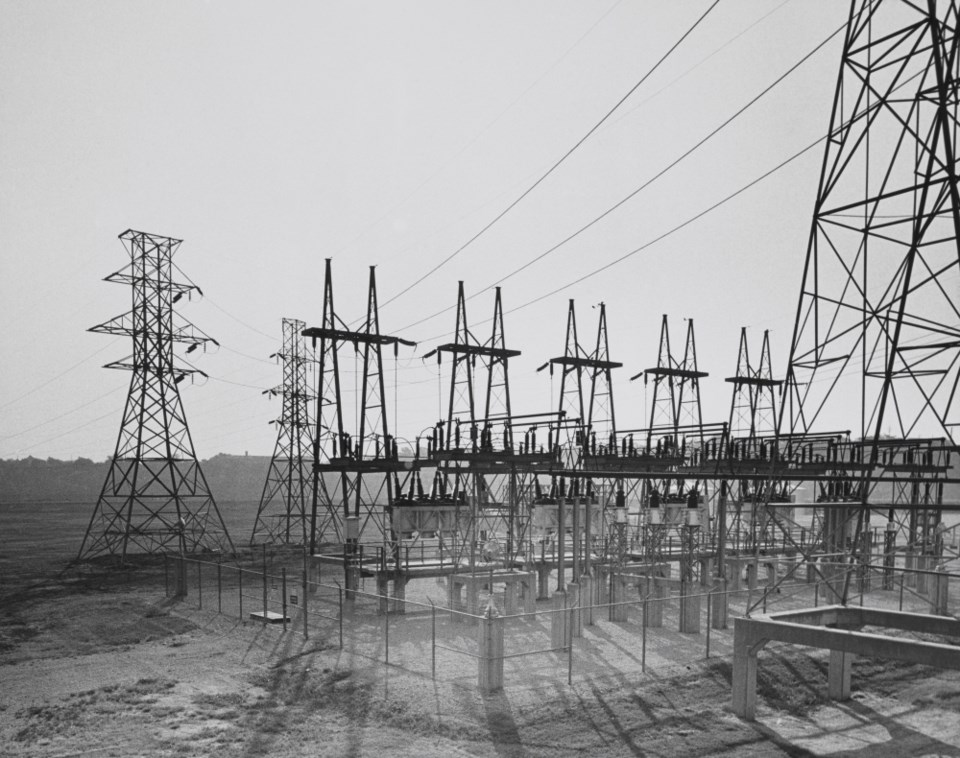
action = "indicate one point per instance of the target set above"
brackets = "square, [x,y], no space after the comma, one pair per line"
[155,496]
[354,475]
[282,516]
[586,434]
[482,477]
[878,325]
[750,450]
[676,420]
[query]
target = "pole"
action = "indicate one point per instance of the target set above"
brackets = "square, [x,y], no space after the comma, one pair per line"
[219,587]
[264,584]
[386,635]
[283,589]
[166,577]
[433,640]
[240,590]
[340,590]
[643,648]
[709,624]
[306,630]
[199,586]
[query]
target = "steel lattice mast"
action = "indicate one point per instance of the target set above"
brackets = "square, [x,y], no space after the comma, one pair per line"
[282,516]
[878,318]
[878,324]
[155,496]
[340,490]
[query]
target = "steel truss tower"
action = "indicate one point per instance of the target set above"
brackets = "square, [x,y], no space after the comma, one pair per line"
[354,475]
[283,514]
[878,325]
[752,429]
[483,476]
[586,436]
[676,430]
[677,440]
[155,497]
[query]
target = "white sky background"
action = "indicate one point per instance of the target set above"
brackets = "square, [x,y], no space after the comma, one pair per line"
[271,136]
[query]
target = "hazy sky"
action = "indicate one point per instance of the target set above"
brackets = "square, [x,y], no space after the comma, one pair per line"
[269,136]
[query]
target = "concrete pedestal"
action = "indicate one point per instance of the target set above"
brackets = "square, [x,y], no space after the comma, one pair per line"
[490,652]
[922,580]
[574,601]
[939,594]
[351,583]
[909,564]
[838,675]
[601,585]
[587,590]
[559,621]
[719,604]
[690,602]
[543,583]
[653,617]
[706,571]
[618,595]
[398,604]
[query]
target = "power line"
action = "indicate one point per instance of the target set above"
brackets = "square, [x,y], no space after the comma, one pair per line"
[482,131]
[61,374]
[557,164]
[646,184]
[114,391]
[672,231]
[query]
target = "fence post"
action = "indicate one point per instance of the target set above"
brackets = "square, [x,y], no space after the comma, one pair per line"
[574,614]
[386,635]
[433,640]
[283,589]
[709,609]
[901,589]
[340,615]
[643,649]
[166,577]
[264,583]
[219,586]
[306,629]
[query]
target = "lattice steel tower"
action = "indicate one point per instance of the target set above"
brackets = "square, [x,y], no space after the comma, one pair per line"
[155,496]
[878,319]
[284,504]
[878,324]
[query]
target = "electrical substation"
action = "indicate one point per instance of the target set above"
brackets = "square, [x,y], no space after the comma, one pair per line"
[571,507]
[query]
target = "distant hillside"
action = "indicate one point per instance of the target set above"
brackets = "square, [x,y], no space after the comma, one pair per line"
[231,478]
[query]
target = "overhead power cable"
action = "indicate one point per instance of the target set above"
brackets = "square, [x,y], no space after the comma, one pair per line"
[673,164]
[66,371]
[113,391]
[557,164]
[386,214]
[671,231]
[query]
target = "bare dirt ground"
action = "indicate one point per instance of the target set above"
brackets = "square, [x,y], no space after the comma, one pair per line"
[101,664]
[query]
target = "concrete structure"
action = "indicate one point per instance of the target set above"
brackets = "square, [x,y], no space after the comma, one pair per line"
[836,628]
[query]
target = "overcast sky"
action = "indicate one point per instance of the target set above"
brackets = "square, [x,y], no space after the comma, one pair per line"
[270,136]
